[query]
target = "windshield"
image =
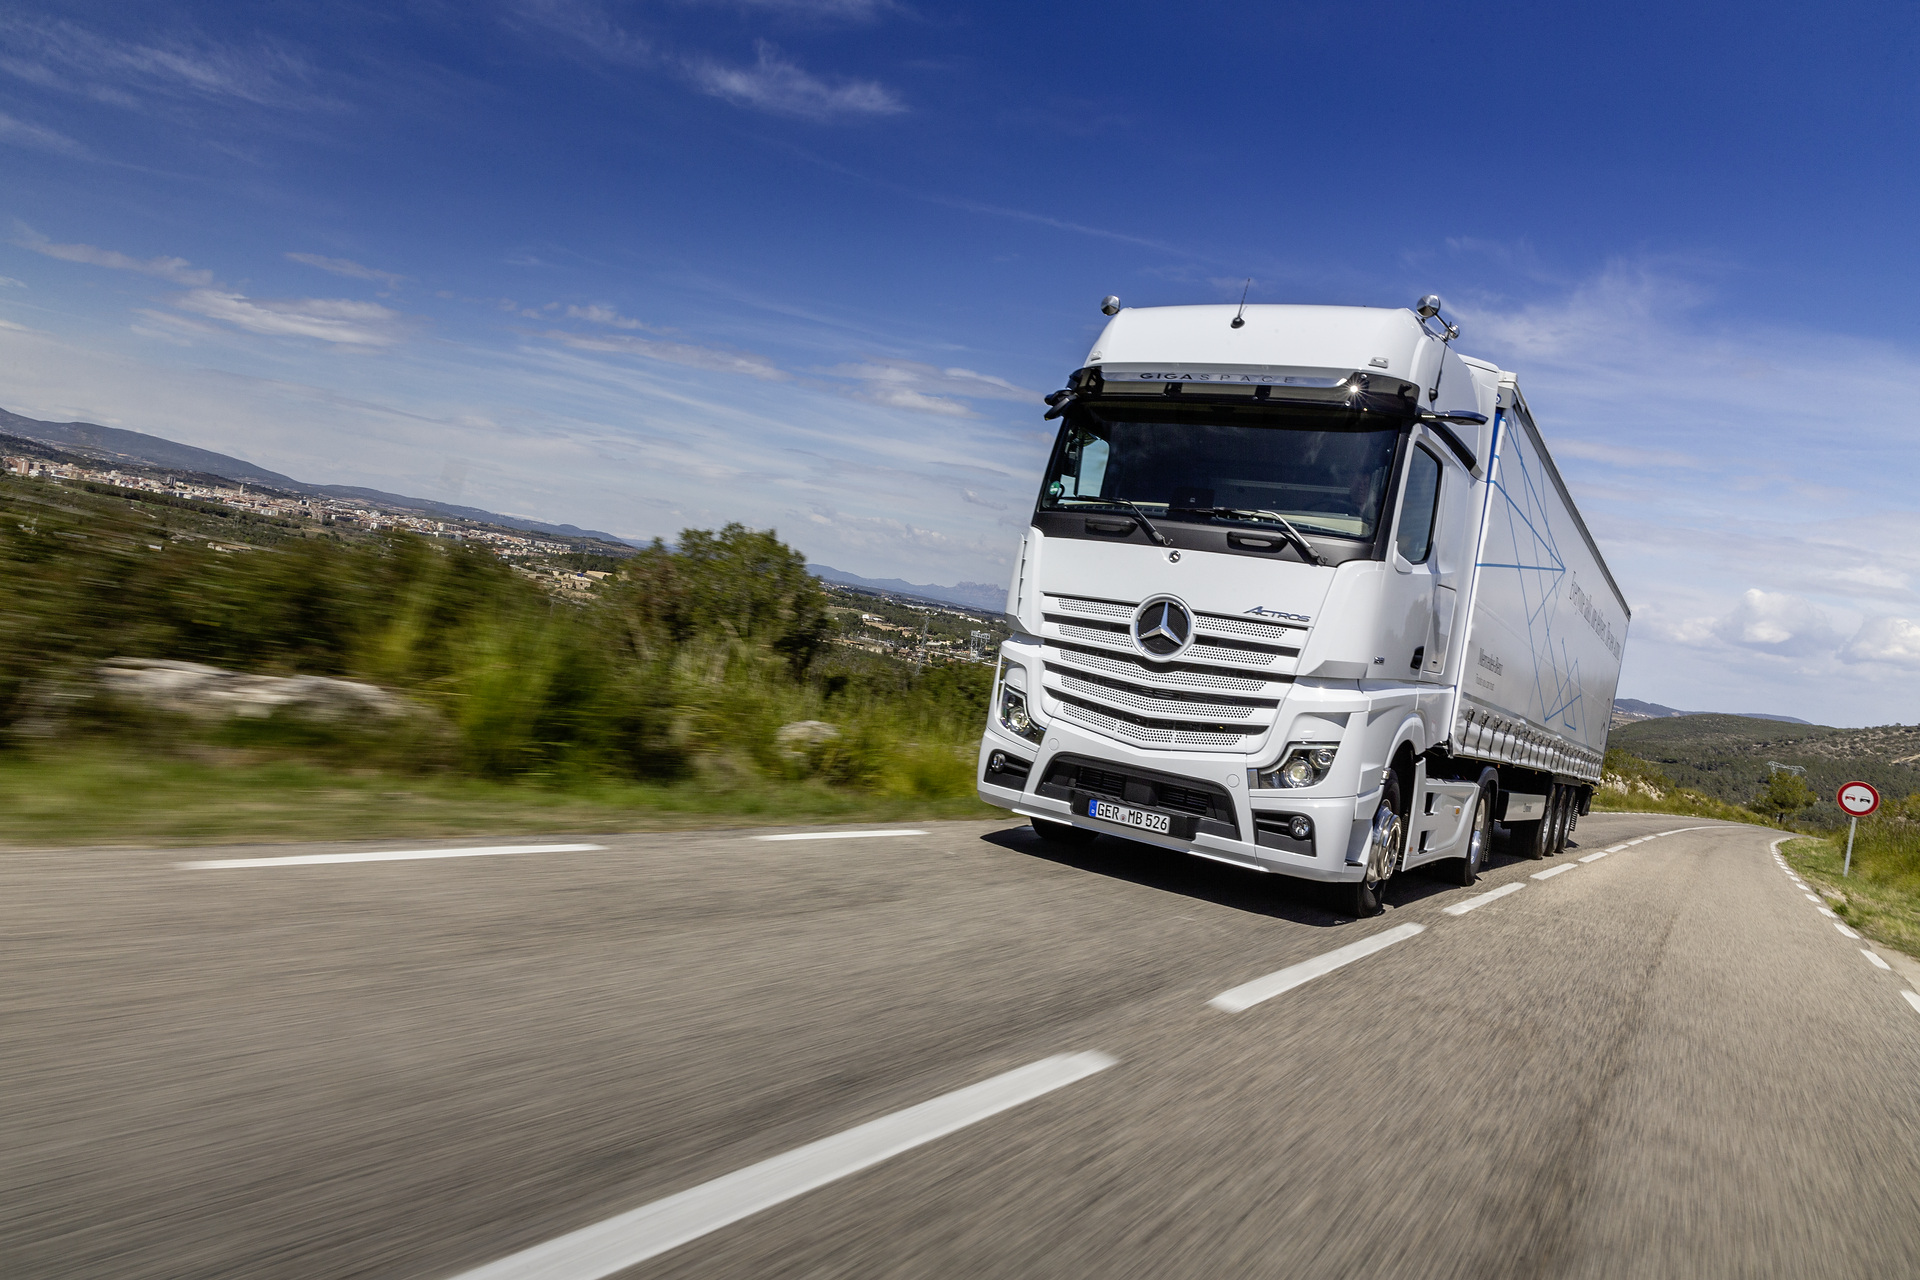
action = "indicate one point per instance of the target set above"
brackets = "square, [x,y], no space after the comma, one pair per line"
[1324,476]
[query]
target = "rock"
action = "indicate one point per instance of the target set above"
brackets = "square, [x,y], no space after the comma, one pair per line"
[190,688]
[798,740]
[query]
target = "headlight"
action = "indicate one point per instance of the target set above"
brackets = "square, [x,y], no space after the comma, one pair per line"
[1014,715]
[1305,765]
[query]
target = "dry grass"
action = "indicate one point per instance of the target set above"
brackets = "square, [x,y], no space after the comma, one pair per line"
[97,794]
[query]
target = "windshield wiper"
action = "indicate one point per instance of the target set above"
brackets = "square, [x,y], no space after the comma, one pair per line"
[1145,523]
[1299,540]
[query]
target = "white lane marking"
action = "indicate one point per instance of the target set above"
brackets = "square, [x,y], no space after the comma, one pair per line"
[841,835]
[1595,857]
[1875,960]
[1461,908]
[1828,914]
[1913,999]
[1249,994]
[1846,931]
[1809,897]
[1612,848]
[389,855]
[633,1237]
[1551,872]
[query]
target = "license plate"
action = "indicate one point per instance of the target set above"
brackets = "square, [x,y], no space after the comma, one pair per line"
[1127,816]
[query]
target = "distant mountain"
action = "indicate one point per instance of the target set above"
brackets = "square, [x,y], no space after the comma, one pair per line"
[137,448]
[968,595]
[111,444]
[1629,710]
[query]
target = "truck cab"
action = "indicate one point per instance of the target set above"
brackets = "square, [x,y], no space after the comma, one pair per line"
[1244,609]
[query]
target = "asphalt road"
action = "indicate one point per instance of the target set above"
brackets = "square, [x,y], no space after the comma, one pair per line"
[1663,1062]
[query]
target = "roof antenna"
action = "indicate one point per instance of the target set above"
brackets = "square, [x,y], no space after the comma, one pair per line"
[1240,316]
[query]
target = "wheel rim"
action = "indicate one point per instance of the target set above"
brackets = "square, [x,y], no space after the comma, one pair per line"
[1477,840]
[1383,845]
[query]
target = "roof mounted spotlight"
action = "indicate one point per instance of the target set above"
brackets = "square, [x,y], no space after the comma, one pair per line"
[1110,305]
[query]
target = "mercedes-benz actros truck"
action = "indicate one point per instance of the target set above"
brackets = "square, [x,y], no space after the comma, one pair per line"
[1303,592]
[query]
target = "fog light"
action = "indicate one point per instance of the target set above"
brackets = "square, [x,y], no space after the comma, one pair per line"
[997,762]
[1300,829]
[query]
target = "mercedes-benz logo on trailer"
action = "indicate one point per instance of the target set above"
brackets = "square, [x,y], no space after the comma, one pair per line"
[1163,627]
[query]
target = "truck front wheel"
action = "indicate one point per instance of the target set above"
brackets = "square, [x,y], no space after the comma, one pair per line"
[1384,841]
[1479,836]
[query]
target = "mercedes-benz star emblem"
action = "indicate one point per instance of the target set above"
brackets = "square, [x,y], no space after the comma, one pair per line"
[1162,628]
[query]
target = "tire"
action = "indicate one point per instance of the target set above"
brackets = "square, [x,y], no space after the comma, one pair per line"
[1562,819]
[1062,832]
[1479,838]
[1385,844]
[1532,839]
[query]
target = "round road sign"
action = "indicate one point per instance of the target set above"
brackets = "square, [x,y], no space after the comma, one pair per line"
[1858,799]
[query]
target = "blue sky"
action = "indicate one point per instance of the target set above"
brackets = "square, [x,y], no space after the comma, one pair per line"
[809,263]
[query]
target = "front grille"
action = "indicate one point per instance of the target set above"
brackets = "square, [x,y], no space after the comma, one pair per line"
[1152,701]
[1160,674]
[1101,681]
[1137,729]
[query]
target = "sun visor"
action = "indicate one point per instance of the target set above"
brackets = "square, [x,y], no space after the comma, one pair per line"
[1280,384]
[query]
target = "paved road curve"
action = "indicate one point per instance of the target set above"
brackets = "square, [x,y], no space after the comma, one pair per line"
[952,1053]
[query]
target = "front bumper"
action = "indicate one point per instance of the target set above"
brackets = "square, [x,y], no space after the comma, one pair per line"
[1338,833]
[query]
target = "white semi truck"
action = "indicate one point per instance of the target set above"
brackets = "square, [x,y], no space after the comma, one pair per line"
[1303,592]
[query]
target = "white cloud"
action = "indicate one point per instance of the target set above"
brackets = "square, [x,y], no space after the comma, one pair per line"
[348,267]
[19,133]
[775,84]
[1889,640]
[1776,622]
[714,358]
[10,283]
[342,321]
[55,54]
[599,313]
[178,270]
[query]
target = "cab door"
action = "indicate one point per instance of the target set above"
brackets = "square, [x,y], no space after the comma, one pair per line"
[1418,597]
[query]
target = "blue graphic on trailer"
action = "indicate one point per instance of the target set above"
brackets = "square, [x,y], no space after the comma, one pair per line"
[1542,573]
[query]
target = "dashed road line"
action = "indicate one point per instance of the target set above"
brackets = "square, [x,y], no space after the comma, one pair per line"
[1551,872]
[840,835]
[1827,913]
[1249,994]
[1461,908]
[1612,848]
[633,1237]
[1595,857]
[1810,898]
[1846,932]
[389,855]
[1875,960]
[1913,998]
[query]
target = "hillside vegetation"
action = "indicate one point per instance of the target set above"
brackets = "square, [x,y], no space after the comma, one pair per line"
[677,675]
[1726,757]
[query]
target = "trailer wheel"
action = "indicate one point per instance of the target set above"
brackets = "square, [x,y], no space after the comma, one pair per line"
[1062,832]
[1562,818]
[1384,842]
[1479,837]
[1532,839]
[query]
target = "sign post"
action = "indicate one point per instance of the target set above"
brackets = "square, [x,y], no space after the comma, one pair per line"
[1857,799]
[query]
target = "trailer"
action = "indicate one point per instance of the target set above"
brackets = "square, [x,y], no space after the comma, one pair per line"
[1304,592]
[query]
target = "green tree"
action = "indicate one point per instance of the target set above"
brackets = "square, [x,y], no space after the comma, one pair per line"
[1784,795]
